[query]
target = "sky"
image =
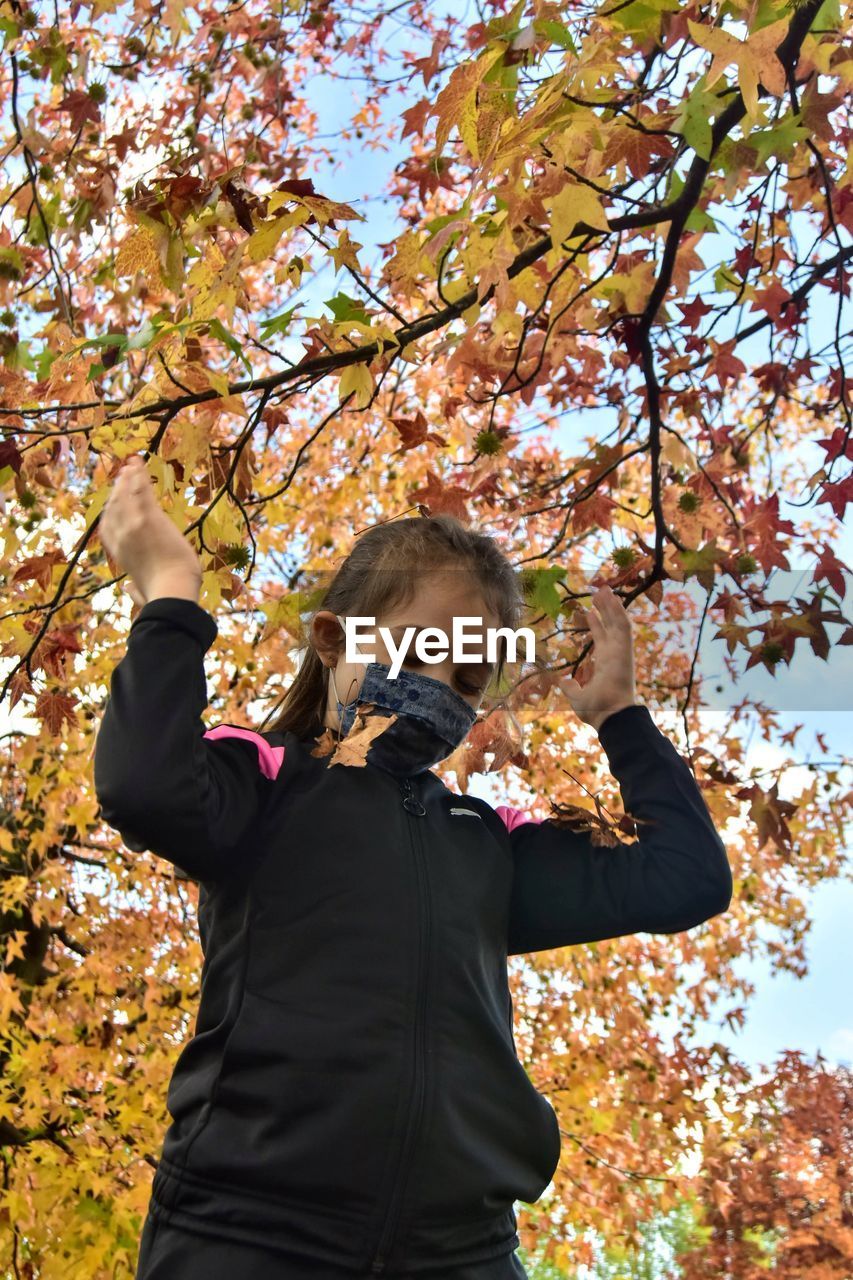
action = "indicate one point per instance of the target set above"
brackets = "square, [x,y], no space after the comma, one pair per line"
[811,1013]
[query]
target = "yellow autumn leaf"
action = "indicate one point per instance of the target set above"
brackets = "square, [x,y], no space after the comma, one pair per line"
[573,204]
[139,253]
[600,1121]
[755,58]
[359,379]
[468,125]
[346,252]
[261,244]
[324,210]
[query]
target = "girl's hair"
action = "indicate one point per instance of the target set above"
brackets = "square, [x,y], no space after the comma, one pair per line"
[380,573]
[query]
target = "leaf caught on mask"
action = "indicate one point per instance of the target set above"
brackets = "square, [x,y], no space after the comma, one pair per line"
[353,748]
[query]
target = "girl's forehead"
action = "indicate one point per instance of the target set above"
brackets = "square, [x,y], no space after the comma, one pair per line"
[437,597]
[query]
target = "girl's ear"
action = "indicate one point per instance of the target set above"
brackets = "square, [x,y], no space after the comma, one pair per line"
[327,636]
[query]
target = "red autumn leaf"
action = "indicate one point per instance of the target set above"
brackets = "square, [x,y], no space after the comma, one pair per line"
[416,118]
[297,187]
[762,526]
[772,299]
[638,148]
[438,497]
[185,193]
[81,107]
[838,495]
[415,431]
[839,444]
[726,366]
[831,568]
[10,456]
[39,568]
[55,707]
[694,311]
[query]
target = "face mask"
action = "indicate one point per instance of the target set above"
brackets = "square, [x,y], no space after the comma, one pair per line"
[431,721]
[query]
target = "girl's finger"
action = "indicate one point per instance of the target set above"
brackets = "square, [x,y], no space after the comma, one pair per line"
[612,607]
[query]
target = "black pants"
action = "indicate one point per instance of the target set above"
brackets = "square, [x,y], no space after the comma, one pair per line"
[172,1253]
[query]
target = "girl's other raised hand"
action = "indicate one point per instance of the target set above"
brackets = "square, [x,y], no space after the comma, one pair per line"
[142,541]
[611,686]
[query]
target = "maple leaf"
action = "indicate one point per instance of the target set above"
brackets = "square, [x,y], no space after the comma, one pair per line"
[298,187]
[123,142]
[352,749]
[416,117]
[773,299]
[762,527]
[345,253]
[694,311]
[437,497]
[138,252]
[55,707]
[10,456]
[572,207]
[769,814]
[20,683]
[725,366]
[243,201]
[838,495]
[81,108]
[428,66]
[838,445]
[415,431]
[39,568]
[756,58]
[639,148]
[185,193]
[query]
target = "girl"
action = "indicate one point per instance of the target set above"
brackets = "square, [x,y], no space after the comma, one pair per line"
[351,1102]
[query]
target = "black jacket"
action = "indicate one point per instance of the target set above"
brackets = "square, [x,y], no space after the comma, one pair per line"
[352,1090]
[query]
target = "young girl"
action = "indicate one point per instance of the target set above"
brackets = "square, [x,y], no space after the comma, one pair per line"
[351,1102]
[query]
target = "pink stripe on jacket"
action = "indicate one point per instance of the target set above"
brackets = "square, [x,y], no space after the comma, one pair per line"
[270,758]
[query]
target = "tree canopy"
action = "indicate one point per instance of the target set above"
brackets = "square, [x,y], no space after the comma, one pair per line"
[630,218]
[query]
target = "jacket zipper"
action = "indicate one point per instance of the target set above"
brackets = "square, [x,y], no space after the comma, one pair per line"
[414,807]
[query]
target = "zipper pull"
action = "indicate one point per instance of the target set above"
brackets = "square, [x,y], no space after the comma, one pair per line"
[411,803]
[378,1265]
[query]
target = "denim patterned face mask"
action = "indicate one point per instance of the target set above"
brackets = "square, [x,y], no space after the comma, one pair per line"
[431,721]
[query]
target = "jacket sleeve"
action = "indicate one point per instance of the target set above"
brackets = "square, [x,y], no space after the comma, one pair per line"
[676,875]
[162,780]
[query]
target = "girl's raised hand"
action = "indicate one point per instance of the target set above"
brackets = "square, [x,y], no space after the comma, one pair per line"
[611,686]
[142,540]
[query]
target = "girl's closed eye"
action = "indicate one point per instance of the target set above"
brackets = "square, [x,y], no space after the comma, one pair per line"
[471,687]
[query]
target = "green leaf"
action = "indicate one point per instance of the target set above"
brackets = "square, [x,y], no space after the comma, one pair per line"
[88,1207]
[768,12]
[724,279]
[540,592]
[137,341]
[780,140]
[556,33]
[642,16]
[700,220]
[343,307]
[10,30]
[694,121]
[44,362]
[701,562]
[230,341]
[20,358]
[828,15]
[277,324]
